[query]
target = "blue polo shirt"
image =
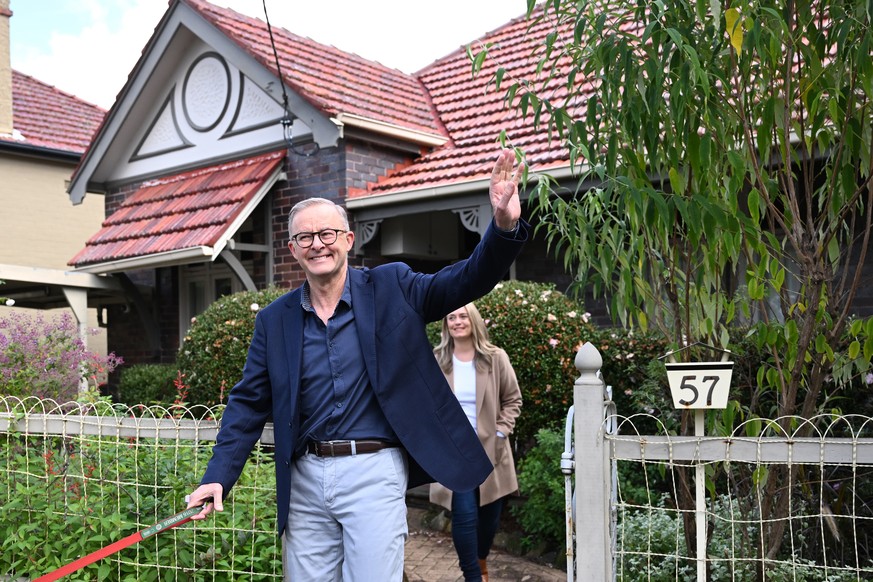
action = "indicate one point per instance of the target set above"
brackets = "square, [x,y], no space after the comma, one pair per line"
[337,401]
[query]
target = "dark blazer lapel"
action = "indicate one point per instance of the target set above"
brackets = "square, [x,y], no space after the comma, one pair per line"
[292,328]
[364,305]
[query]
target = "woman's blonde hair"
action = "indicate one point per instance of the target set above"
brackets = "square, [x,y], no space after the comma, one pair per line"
[481,344]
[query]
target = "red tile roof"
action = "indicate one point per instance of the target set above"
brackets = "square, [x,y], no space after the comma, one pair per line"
[187,211]
[442,98]
[474,112]
[195,209]
[330,79]
[45,117]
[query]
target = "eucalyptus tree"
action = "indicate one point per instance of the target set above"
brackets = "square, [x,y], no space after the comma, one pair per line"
[722,151]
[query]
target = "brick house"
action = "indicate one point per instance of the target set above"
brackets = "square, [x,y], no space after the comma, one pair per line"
[210,144]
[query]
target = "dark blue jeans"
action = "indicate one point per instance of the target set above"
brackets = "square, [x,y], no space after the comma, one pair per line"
[473,530]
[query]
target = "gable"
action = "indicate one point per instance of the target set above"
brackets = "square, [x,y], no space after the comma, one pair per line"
[194,98]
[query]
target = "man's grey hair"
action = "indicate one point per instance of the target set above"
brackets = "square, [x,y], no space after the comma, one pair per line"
[304,204]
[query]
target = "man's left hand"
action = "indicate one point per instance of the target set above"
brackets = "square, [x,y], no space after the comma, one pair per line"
[504,191]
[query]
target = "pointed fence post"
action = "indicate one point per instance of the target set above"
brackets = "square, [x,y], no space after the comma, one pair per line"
[593,475]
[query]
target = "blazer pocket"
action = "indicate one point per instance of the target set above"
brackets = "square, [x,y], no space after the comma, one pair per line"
[502,446]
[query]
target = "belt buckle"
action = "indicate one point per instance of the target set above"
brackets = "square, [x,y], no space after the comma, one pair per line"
[332,443]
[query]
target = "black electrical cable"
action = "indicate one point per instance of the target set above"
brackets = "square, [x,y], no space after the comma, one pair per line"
[288,119]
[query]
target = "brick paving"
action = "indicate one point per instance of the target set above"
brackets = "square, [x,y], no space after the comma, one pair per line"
[430,557]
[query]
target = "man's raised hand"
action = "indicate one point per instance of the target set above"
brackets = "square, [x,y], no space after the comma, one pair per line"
[504,190]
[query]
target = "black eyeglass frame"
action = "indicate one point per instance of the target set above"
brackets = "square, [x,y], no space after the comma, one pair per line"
[336,232]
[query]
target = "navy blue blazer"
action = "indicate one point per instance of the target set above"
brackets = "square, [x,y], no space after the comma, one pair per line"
[392,305]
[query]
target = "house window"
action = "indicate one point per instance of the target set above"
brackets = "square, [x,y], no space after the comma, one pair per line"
[200,286]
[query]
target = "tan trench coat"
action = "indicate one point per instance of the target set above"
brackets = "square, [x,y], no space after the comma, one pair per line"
[498,404]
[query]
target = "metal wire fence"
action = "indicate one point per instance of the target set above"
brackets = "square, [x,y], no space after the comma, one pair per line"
[75,477]
[817,524]
[787,499]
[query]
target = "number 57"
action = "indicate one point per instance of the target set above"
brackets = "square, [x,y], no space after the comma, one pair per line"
[687,385]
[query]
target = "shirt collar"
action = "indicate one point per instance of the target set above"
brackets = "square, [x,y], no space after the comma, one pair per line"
[306,302]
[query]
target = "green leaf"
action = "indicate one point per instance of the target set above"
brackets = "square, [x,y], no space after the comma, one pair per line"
[498,77]
[754,203]
[734,28]
[675,181]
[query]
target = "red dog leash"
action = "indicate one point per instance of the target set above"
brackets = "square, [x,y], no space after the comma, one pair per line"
[169,523]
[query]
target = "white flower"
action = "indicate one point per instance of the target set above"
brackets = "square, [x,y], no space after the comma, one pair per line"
[551,317]
[586,316]
[524,302]
[518,292]
[254,307]
[10,302]
[499,286]
[553,342]
[571,314]
[193,320]
[869,378]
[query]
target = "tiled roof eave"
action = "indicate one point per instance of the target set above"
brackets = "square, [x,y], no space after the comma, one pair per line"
[418,137]
[409,195]
[174,257]
[41,151]
[415,194]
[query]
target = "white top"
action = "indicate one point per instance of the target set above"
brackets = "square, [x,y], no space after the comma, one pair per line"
[465,387]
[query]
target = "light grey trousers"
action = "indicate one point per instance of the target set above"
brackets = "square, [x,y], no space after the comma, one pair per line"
[347,518]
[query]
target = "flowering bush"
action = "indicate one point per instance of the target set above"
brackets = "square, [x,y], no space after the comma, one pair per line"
[214,350]
[45,357]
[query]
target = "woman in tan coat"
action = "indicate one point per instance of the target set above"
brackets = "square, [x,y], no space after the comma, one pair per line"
[484,382]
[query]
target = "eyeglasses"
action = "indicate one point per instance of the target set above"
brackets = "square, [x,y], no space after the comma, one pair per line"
[327,236]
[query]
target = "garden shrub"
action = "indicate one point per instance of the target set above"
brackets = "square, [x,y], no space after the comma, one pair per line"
[651,547]
[214,350]
[44,356]
[148,384]
[541,482]
[96,491]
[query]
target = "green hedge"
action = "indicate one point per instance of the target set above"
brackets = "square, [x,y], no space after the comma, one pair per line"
[148,384]
[213,353]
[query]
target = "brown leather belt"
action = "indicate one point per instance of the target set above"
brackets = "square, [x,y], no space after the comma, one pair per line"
[346,448]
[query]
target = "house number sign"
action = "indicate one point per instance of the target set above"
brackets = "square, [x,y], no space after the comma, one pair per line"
[699,384]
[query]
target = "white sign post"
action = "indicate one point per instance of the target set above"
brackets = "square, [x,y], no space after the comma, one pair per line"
[700,386]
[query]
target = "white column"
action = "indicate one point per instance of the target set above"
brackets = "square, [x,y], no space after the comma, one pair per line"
[78,300]
[593,480]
